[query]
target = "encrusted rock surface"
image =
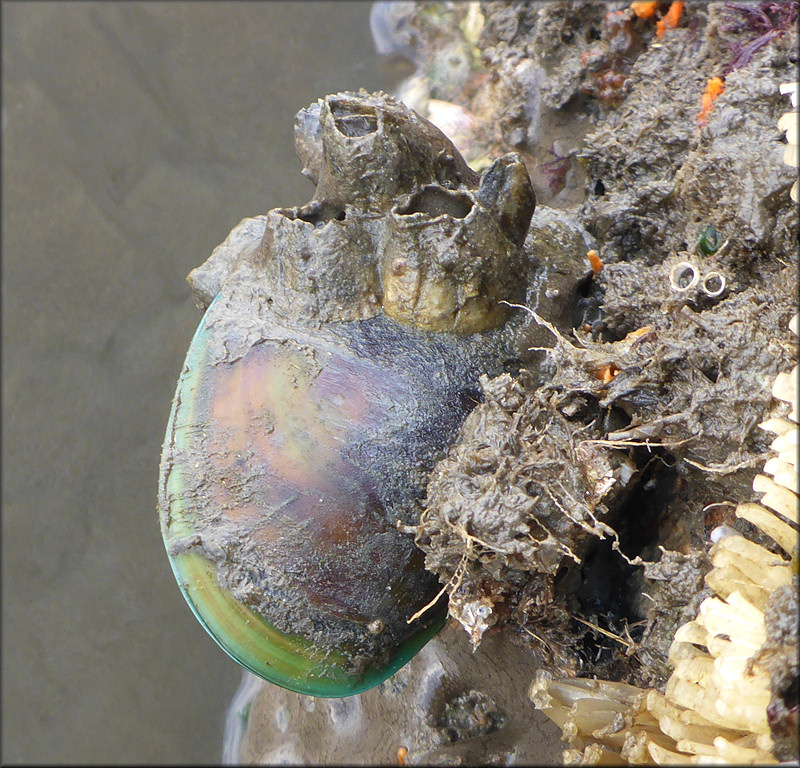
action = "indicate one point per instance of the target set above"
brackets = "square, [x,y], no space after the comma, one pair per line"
[665,382]
[573,515]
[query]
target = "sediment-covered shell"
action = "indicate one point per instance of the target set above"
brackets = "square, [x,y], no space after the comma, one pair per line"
[310,409]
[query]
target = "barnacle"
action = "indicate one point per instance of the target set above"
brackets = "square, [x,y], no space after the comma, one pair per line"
[732,697]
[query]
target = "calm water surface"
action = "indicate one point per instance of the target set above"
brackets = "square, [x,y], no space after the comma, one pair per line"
[135,136]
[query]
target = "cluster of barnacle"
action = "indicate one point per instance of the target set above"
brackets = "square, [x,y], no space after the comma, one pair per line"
[322,385]
[732,697]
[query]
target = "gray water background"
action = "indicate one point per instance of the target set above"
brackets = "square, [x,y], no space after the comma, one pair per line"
[134,137]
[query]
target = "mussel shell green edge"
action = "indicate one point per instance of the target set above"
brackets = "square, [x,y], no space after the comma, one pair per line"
[289,661]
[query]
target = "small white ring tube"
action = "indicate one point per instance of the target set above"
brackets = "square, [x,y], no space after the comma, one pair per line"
[714,284]
[684,276]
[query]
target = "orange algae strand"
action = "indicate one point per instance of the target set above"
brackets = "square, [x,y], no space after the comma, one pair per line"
[595,262]
[671,18]
[714,87]
[646,9]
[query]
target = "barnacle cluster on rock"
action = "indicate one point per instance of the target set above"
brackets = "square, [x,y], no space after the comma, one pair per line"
[338,355]
[413,233]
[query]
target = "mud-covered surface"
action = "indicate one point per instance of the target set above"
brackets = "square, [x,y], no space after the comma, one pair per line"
[575,511]
[448,706]
[779,656]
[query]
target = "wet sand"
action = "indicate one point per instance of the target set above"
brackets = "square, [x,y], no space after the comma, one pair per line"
[135,136]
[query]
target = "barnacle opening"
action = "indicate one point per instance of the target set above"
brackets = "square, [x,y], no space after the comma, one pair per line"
[352,119]
[436,201]
[315,214]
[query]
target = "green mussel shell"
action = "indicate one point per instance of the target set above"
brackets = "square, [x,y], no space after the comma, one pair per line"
[286,468]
